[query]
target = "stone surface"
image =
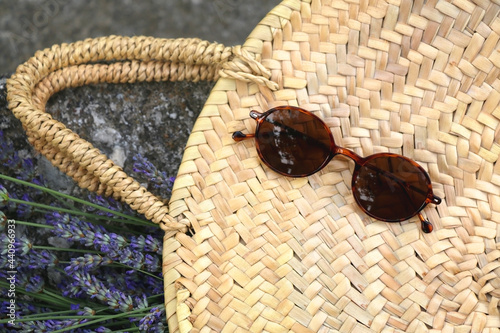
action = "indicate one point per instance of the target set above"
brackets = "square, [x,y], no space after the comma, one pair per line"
[153,119]
[30,25]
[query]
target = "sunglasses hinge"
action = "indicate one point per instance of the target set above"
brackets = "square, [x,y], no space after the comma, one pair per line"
[255,114]
[436,200]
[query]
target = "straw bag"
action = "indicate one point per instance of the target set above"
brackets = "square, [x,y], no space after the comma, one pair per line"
[271,253]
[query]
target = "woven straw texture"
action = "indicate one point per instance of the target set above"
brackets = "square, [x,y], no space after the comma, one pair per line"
[271,253]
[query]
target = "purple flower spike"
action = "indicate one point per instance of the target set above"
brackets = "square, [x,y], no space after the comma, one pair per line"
[137,243]
[73,229]
[152,263]
[147,244]
[23,245]
[131,258]
[141,302]
[49,325]
[38,259]
[35,284]
[109,242]
[153,322]
[153,245]
[95,288]
[24,210]
[4,248]
[156,179]
[119,300]
[86,312]
[87,263]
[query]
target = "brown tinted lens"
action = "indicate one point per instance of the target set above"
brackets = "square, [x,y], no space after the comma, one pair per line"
[391,188]
[293,142]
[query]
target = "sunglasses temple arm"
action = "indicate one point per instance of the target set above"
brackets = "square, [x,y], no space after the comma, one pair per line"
[239,136]
[426,225]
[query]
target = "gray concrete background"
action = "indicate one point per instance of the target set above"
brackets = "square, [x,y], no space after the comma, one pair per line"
[153,119]
[30,25]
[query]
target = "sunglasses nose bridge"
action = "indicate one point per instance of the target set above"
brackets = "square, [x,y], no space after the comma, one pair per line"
[336,150]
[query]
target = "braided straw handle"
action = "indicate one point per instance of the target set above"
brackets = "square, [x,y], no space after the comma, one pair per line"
[115,59]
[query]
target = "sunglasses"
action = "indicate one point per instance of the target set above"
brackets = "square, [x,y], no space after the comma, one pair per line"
[296,143]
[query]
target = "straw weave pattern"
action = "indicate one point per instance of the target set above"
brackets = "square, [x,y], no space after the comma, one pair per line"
[274,254]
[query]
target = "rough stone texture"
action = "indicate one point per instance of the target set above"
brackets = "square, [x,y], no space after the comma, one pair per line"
[153,119]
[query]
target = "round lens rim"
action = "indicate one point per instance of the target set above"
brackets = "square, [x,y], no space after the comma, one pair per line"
[261,120]
[428,199]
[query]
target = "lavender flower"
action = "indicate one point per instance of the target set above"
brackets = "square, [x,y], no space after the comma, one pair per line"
[28,171]
[110,286]
[152,263]
[114,246]
[153,244]
[73,229]
[23,245]
[87,263]
[95,288]
[91,276]
[147,244]
[24,169]
[154,286]
[38,259]
[28,308]
[24,211]
[49,325]
[29,280]
[24,309]
[86,312]
[35,284]
[141,302]
[137,243]
[109,203]
[156,179]
[107,242]
[153,322]
[4,308]
[131,258]
[4,247]
[132,282]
